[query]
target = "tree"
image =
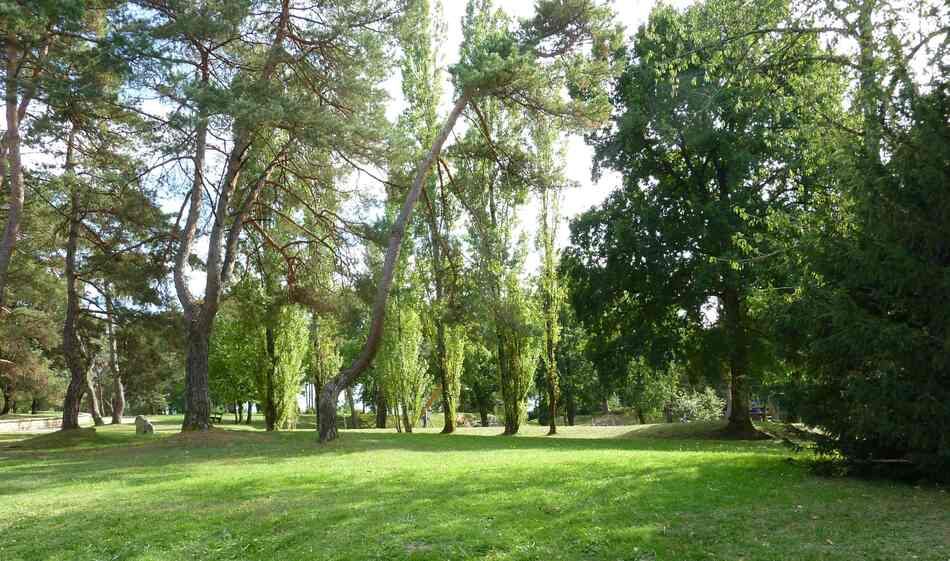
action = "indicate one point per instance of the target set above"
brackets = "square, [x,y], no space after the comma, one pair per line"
[859,335]
[31,31]
[522,66]
[713,142]
[252,70]
[237,355]
[551,293]
[519,343]
[403,366]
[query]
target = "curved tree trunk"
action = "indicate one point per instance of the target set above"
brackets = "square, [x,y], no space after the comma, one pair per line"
[331,391]
[95,408]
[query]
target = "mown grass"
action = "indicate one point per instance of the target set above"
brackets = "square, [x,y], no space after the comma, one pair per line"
[594,493]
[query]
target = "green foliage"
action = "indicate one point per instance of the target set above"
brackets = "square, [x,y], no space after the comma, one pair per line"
[402,364]
[325,359]
[455,343]
[865,337]
[519,340]
[712,140]
[691,405]
[237,356]
[291,346]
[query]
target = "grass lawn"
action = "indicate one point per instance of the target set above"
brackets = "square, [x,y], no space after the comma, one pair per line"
[612,493]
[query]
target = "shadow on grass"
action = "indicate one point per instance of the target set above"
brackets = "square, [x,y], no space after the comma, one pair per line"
[284,501]
[238,494]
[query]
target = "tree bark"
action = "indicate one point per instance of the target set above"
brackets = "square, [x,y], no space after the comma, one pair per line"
[118,389]
[79,382]
[354,416]
[740,422]
[381,406]
[571,410]
[405,420]
[7,400]
[11,166]
[250,410]
[238,412]
[270,408]
[331,391]
[34,406]
[197,396]
[71,403]
[95,406]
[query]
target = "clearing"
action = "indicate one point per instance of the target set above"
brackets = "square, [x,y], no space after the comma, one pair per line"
[612,493]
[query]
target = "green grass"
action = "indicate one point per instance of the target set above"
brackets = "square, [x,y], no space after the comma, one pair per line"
[612,493]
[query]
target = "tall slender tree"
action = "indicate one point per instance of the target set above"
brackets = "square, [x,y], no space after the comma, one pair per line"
[566,43]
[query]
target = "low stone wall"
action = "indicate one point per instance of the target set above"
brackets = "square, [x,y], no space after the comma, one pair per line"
[35,424]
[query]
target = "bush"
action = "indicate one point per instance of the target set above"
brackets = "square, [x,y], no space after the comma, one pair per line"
[690,405]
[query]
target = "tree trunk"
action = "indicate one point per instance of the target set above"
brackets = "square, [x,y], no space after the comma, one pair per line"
[11,166]
[354,416]
[740,422]
[483,414]
[449,402]
[381,406]
[250,409]
[331,391]
[118,389]
[118,400]
[95,407]
[605,405]
[79,381]
[512,421]
[405,419]
[270,407]
[238,412]
[571,410]
[72,402]
[397,419]
[326,411]
[197,396]
[7,400]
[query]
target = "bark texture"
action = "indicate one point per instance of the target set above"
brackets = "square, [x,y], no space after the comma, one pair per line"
[118,388]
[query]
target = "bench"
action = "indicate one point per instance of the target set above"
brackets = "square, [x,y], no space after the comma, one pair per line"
[216,417]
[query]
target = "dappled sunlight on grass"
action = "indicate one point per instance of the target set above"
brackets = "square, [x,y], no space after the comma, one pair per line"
[240,493]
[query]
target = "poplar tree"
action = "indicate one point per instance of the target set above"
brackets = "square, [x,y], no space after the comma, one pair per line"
[564,48]
[551,294]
